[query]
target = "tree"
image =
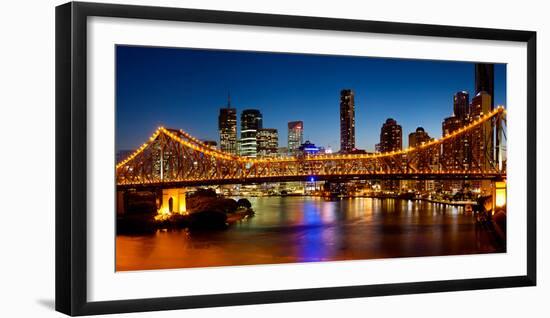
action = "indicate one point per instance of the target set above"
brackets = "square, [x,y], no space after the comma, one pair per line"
[244,203]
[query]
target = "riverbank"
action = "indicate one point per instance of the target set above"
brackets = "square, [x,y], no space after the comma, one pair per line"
[213,220]
[205,210]
[403,196]
[448,202]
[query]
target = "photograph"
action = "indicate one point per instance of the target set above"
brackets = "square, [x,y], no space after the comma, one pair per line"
[243,158]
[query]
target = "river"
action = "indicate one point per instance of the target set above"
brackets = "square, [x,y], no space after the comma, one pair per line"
[311,229]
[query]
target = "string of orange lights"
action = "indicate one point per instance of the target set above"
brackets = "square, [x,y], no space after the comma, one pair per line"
[197,145]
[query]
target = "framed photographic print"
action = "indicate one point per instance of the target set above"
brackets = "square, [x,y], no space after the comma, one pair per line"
[208,158]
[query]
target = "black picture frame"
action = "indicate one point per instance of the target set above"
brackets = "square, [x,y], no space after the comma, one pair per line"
[71,157]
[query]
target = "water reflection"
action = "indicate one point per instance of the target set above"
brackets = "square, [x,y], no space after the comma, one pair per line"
[304,229]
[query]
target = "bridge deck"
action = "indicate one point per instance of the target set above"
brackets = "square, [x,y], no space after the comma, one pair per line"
[342,178]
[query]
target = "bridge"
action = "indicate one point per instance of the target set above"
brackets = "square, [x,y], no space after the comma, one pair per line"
[173,158]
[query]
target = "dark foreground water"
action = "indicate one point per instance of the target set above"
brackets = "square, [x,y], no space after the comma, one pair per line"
[305,229]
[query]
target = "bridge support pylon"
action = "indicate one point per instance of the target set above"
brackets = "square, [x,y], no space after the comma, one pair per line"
[173,201]
[499,195]
[121,202]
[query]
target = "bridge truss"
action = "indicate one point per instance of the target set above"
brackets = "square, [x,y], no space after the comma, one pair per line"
[172,158]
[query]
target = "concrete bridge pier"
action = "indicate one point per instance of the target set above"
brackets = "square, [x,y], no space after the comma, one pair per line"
[499,194]
[121,203]
[172,201]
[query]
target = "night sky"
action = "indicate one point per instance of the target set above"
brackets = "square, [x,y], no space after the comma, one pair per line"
[184,89]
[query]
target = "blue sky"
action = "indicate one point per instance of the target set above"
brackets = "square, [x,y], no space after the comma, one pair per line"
[184,88]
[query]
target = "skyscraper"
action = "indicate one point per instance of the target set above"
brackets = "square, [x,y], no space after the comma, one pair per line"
[461,105]
[295,136]
[268,142]
[227,128]
[454,152]
[391,136]
[485,80]
[391,139]
[418,137]
[482,136]
[347,120]
[426,159]
[251,122]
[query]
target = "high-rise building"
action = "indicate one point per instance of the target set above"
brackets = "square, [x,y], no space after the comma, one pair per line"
[418,137]
[485,80]
[456,154]
[453,152]
[391,139]
[251,122]
[426,159]
[227,128]
[268,142]
[347,121]
[461,105]
[391,136]
[295,136]
[482,135]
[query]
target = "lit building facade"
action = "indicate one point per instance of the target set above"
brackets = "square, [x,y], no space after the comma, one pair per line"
[418,138]
[227,128]
[485,82]
[482,140]
[391,136]
[453,153]
[268,142]
[251,122]
[309,148]
[457,155]
[461,105]
[391,139]
[347,120]
[482,135]
[426,161]
[295,136]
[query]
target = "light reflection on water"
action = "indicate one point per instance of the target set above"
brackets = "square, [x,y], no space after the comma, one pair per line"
[307,229]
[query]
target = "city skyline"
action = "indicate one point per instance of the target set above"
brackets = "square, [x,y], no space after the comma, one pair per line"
[433,81]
